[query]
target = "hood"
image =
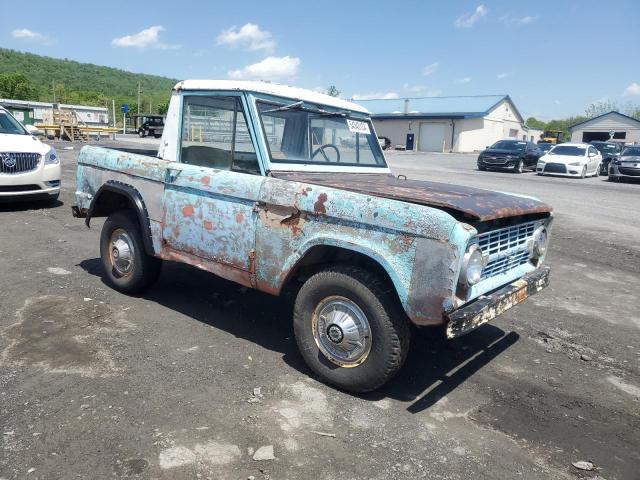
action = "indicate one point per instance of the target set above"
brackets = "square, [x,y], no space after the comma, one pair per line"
[630,158]
[499,151]
[565,159]
[473,203]
[21,143]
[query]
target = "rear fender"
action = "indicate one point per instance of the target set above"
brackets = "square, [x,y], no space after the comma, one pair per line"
[114,196]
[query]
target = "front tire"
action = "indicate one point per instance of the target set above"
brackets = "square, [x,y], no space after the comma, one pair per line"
[520,167]
[350,328]
[127,267]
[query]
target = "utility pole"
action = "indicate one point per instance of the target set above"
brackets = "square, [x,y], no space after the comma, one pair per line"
[113,110]
[54,91]
[138,97]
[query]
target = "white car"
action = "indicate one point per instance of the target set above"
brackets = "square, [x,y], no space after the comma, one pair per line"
[29,169]
[571,160]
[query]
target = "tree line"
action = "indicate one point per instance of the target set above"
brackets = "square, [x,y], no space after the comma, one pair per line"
[593,110]
[27,76]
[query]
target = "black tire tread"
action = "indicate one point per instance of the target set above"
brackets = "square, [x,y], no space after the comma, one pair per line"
[396,326]
[150,267]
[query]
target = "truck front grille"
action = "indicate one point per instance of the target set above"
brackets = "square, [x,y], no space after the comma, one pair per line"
[18,162]
[507,248]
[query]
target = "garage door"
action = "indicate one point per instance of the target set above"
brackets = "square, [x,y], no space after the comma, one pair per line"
[431,137]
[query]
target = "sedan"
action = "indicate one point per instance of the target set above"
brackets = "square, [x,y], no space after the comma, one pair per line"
[610,151]
[514,155]
[571,160]
[627,165]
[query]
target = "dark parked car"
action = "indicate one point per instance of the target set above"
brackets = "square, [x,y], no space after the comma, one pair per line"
[545,147]
[149,125]
[610,151]
[516,155]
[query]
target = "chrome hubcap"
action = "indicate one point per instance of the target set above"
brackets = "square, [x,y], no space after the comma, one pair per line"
[121,251]
[341,331]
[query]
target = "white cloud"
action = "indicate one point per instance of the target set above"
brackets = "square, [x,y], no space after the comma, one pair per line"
[31,36]
[434,93]
[147,38]
[249,36]
[463,80]
[633,89]
[501,76]
[516,21]
[375,96]
[414,88]
[469,19]
[557,102]
[271,68]
[429,69]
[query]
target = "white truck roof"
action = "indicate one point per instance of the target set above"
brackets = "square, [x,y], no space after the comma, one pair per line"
[268,88]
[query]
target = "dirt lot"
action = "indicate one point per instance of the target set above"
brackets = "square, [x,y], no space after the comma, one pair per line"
[190,379]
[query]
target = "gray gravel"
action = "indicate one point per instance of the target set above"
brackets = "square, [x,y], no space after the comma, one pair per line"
[194,378]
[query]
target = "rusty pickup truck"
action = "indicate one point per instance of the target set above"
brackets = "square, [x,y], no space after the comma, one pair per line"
[276,188]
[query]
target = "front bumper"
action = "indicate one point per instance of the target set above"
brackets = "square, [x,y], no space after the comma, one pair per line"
[488,307]
[43,182]
[625,170]
[509,164]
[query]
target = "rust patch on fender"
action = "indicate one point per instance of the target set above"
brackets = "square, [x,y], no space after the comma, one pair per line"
[319,206]
[187,210]
[205,181]
[239,217]
[207,225]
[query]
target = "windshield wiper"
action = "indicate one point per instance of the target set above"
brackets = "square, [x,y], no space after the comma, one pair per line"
[300,106]
[296,105]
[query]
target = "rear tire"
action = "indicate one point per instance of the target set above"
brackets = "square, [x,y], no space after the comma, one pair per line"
[127,266]
[350,328]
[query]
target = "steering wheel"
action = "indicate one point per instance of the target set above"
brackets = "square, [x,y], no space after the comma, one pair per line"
[321,150]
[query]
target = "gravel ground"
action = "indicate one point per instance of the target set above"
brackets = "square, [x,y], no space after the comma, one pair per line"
[198,376]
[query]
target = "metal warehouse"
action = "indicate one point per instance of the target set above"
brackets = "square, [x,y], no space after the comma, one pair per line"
[612,125]
[29,112]
[449,124]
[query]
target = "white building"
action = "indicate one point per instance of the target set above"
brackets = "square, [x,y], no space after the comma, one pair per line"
[612,125]
[449,124]
[30,112]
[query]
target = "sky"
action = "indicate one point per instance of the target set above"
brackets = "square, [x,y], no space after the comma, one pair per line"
[552,57]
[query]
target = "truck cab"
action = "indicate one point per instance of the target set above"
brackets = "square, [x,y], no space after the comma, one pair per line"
[279,188]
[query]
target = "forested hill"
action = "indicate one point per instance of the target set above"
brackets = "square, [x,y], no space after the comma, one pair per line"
[32,77]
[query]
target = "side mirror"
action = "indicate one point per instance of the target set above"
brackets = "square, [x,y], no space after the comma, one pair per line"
[33,130]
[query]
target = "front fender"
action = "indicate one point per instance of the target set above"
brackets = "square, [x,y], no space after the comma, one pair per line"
[417,246]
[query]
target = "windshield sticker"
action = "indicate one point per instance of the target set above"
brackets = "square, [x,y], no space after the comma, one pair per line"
[358,127]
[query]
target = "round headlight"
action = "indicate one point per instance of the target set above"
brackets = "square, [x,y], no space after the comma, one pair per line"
[472,266]
[539,243]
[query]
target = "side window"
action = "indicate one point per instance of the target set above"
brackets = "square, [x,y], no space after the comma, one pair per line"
[215,135]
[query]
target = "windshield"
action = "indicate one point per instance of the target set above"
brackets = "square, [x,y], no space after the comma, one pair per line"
[296,135]
[10,125]
[568,150]
[509,145]
[631,152]
[606,147]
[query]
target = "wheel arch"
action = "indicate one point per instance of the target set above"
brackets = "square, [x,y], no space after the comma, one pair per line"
[317,256]
[114,196]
